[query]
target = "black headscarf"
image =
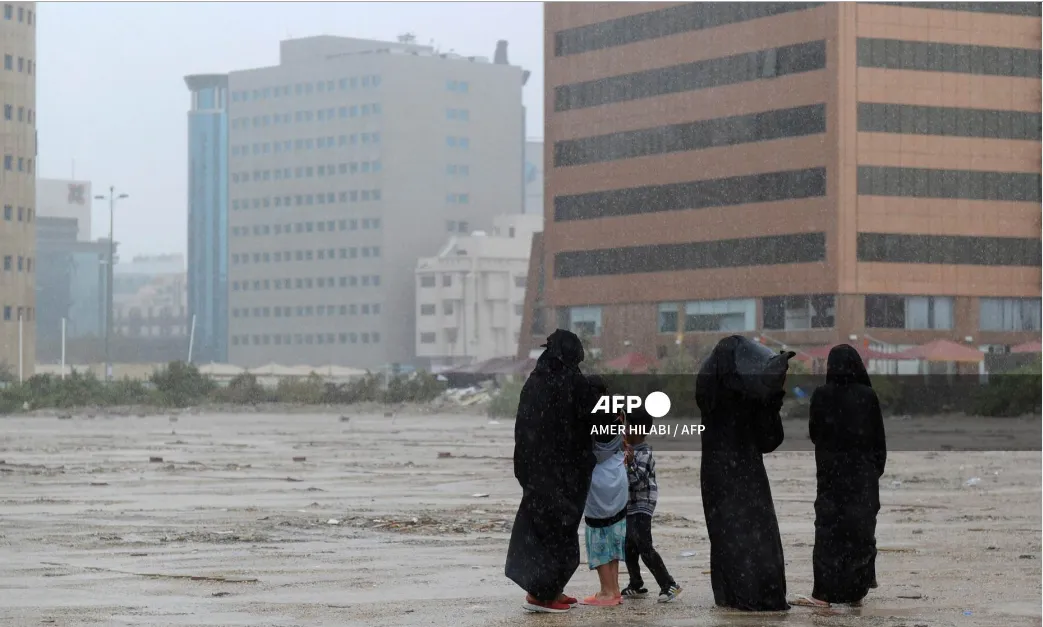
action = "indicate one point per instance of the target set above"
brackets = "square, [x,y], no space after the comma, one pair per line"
[844,366]
[563,350]
[718,374]
[740,366]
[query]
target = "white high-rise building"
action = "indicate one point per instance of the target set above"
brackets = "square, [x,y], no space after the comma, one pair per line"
[348,161]
[534,177]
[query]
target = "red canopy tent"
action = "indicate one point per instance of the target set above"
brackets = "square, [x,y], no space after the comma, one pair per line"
[1028,347]
[632,362]
[943,350]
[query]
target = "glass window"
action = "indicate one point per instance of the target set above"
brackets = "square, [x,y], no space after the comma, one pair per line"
[585,320]
[1009,314]
[720,315]
[668,317]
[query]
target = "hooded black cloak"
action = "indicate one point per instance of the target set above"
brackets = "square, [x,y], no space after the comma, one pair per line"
[850,453]
[553,462]
[747,568]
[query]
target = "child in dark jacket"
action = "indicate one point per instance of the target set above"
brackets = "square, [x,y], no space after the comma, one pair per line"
[644,492]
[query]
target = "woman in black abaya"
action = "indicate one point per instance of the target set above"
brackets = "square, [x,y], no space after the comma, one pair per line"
[553,462]
[850,453]
[747,569]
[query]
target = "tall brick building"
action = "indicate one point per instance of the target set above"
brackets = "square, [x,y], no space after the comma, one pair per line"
[804,171]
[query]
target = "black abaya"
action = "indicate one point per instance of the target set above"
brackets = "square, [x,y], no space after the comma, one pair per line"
[553,462]
[850,453]
[747,568]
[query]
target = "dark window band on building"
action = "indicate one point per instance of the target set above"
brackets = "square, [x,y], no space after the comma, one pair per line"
[722,192]
[692,16]
[948,121]
[729,131]
[1028,9]
[739,68]
[895,54]
[771,250]
[950,249]
[957,184]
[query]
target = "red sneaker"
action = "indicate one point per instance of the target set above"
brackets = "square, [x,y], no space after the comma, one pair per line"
[545,607]
[567,600]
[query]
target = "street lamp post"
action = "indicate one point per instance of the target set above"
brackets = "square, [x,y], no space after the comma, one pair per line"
[112,198]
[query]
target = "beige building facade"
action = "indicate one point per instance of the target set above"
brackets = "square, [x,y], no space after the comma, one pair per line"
[348,161]
[470,297]
[17,186]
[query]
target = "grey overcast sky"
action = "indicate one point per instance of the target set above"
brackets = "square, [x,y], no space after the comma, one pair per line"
[111,95]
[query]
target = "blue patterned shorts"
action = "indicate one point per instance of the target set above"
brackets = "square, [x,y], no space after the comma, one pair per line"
[606,544]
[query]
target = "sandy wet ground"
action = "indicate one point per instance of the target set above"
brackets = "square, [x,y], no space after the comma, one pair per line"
[374,528]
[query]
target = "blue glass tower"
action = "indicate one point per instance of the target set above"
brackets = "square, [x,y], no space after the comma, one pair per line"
[208,216]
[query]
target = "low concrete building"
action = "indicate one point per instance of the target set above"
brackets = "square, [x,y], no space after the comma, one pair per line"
[150,309]
[470,296]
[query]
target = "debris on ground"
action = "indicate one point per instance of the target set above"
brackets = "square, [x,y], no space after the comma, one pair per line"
[219,578]
[428,524]
[218,537]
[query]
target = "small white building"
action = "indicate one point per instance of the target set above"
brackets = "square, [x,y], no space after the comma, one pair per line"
[470,297]
[66,198]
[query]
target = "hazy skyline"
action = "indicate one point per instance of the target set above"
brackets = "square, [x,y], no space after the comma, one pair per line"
[111,94]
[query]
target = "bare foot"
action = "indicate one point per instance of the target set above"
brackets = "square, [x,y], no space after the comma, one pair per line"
[808,601]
